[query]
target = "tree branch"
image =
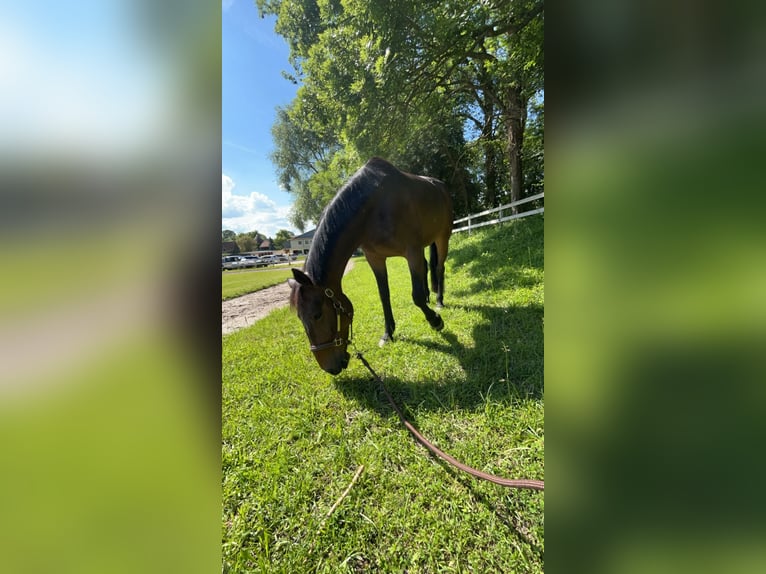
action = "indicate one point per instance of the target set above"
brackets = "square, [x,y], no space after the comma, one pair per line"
[512,27]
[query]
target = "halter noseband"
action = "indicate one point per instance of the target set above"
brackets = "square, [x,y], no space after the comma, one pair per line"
[338,341]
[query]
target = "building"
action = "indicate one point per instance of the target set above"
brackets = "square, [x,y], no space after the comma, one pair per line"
[229,247]
[300,244]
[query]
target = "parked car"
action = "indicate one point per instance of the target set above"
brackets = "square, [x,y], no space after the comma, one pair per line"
[230,262]
[269,259]
[250,261]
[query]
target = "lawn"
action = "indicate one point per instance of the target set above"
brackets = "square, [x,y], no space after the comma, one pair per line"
[236,283]
[294,436]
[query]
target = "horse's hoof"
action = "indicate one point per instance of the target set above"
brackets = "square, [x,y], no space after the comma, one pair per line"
[439,306]
[440,325]
[385,339]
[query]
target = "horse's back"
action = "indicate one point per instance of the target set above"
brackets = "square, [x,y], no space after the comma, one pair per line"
[405,210]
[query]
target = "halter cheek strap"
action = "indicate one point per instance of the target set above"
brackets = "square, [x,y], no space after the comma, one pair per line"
[338,341]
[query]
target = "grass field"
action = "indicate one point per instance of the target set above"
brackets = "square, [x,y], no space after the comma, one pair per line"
[236,283]
[293,436]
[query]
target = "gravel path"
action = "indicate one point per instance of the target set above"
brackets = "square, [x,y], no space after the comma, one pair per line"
[245,310]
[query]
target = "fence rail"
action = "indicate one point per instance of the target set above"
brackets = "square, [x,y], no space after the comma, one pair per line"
[499,210]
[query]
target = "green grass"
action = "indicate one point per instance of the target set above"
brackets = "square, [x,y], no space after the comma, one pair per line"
[134,496]
[236,283]
[293,436]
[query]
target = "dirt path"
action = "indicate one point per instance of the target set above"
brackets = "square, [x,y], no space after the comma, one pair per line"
[245,310]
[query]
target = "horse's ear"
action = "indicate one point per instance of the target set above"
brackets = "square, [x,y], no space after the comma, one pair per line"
[300,277]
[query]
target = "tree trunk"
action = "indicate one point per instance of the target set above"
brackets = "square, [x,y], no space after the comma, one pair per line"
[490,153]
[490,173]
[516,115]
[457,183]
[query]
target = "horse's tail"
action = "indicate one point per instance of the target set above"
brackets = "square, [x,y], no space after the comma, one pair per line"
[432,266]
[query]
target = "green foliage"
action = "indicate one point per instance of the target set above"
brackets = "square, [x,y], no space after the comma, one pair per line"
[228,235]
[293,436]
[249,241]
[282,238]
[534,148]
[408,81]
[304,147]
[246,243]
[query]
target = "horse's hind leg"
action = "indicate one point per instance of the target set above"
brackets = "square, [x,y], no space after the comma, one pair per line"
[417,264]
[438,256]
[378,266]
[432,269]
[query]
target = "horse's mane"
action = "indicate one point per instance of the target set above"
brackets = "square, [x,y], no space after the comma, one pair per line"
[347,203]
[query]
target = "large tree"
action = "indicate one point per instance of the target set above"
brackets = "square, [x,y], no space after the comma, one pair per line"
[246,243]
[440,88]
[306,144]
[282,238]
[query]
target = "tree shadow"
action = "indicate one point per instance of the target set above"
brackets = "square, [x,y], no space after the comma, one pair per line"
[501,359]
[516,265]
[504,358]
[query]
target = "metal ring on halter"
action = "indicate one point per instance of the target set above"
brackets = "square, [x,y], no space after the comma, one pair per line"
[338,341]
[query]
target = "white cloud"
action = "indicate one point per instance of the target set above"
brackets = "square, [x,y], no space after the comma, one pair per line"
[253,212]
[227,184]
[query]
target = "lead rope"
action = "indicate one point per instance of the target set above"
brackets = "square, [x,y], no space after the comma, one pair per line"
[509,483]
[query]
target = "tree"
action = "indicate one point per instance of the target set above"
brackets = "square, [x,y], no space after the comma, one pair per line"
[412,82]
[304,148]
[245,242]
[490,56]
[534,148]
[282,239]
[249,240]
[228,235]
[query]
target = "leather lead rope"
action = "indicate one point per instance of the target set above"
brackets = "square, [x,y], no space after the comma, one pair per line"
[509,483]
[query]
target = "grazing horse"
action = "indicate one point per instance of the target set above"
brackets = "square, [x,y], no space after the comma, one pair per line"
[387,213]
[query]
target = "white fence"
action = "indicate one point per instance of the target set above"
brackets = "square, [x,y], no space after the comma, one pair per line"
[499,211]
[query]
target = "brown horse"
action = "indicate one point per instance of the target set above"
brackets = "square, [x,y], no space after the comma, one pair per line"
[387,213]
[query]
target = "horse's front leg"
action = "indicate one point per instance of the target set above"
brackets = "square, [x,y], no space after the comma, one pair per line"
[417,264]
[378,266]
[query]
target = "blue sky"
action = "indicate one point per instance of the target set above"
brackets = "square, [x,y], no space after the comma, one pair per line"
[77,78]
[253,57]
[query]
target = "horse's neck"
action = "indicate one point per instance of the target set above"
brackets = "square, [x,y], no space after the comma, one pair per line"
[329,270]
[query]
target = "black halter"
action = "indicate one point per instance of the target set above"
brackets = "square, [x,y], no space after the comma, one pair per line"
[338,341]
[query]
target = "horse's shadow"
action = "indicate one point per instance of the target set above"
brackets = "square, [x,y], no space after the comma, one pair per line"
[503,359]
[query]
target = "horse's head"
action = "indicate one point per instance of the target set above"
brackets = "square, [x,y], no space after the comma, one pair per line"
[326,317]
